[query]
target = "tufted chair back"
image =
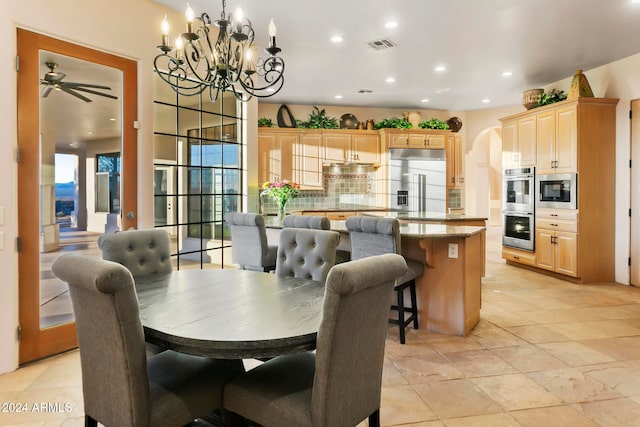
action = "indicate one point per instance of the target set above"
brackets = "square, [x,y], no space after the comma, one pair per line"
[307,221]
[143,252]
[306,254]
[373,236]
[249,247]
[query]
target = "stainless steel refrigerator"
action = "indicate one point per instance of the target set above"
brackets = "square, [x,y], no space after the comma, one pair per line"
[418,180]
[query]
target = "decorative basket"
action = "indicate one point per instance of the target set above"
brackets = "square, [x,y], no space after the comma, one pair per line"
[530,98]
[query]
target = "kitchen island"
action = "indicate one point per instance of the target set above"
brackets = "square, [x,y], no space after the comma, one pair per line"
[449,296]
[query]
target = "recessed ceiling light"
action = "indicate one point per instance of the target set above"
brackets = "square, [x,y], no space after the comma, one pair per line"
[391,24]
[270,89]
[390,80]
[424,100]
[112,119]
[90,133]
[440,69]
[338,97]
[507,74]
[337,39]
[486,101]
[446,89]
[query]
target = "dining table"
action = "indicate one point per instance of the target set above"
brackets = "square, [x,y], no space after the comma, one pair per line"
[230,314]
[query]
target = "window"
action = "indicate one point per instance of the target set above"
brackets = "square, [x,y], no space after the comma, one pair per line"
[108,183]
[198,151]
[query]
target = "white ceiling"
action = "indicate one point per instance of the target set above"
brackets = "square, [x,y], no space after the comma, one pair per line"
[539,41]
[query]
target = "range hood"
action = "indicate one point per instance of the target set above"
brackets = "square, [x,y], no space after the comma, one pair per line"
[337,166]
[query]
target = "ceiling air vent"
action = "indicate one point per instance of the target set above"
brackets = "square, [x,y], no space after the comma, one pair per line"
[381,44]
[364,91]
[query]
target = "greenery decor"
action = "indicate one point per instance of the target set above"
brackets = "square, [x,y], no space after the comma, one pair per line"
[551,97]
[393,123]
[264,122]
[281,192]
[318,119]
[433,124]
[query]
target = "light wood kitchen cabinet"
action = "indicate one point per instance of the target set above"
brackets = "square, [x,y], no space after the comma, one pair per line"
[519,142]
[415,138]
[455,165]
[308,161]
[557,141]
[576,244]
[355,147]
[275,156]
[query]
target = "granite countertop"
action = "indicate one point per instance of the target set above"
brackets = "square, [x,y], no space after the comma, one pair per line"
[424,216]
[337,209]
[414,230]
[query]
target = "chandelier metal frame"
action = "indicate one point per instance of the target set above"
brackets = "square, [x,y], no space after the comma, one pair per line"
[220,57]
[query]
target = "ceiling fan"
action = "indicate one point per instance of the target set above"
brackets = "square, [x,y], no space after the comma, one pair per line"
[53,80]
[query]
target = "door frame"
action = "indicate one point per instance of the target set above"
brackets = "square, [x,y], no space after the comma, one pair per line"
[634,178]
[36,343]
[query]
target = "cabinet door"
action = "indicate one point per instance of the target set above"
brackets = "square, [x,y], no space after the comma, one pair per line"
[509,144]
[308,164]
[526,145]
[266,147]
[366,148]
[451,160]
[398,140]
[546,139]
[566,140]
[417,140]
[336,147]
[435,141]
[458,157]
[283,163]
[545,249]
[566,253]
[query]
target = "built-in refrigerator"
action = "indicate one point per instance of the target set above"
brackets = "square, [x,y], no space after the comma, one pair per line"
[418,180]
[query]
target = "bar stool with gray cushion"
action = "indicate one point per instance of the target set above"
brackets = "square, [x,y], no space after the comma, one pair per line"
[249,247]
[143,252]
[316,222]
[306,254]
[374,236]
[120,386]
[340,384]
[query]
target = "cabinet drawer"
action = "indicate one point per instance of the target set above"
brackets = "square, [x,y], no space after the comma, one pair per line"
[339,216]
[566,214]
[556,224]
[515,255]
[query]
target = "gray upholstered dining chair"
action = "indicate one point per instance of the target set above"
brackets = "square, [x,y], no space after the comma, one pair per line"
[374,236]
[249,247]
[143,252]
[340,384]
[316,222]
[120,386]
[305,253]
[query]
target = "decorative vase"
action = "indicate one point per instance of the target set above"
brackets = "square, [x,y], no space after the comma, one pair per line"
[530,98]
[282,211]
[579,86]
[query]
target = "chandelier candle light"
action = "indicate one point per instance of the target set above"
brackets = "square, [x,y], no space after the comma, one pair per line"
[220,57]
[281,192]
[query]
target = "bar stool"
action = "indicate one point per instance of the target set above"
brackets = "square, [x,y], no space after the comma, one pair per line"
[375,236]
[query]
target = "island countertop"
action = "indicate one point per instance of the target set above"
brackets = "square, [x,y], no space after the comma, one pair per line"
[424,216]
[408,229]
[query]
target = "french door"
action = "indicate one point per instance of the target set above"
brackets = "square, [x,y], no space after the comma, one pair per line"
[38,341]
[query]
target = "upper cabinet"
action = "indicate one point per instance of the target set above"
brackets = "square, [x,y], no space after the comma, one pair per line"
[519,142]
[455,166]
[275,155]
[352,146]
[557,140]
[308,160]
[415,138]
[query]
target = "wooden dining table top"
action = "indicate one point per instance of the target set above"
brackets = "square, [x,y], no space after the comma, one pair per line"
[230,314]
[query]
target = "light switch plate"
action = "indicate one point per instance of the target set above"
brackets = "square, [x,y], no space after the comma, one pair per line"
[1,240]
[1,215]
[453,250]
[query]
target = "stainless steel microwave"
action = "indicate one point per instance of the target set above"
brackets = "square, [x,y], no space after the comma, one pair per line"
[557,191]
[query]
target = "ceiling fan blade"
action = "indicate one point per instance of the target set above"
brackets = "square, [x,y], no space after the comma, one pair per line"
[92,92]
[76,85]
[74,93]
[47,90]
[53,77]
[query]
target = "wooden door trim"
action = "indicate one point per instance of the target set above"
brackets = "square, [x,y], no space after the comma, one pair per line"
[35,342]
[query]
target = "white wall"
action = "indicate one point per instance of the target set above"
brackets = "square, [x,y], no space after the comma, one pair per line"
[129,28]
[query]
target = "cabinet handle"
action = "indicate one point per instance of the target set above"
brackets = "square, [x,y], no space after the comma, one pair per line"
[516,257]
[553,225]
[553,214]
[453,179]
[461,179]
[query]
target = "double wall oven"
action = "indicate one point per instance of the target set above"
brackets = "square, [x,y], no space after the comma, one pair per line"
[518,208]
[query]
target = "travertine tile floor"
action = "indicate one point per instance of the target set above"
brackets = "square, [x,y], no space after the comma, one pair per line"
[546,353]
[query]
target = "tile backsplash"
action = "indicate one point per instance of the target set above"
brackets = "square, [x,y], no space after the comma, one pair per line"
[345,187]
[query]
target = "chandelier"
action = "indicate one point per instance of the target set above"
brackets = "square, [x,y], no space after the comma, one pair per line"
[220,57]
